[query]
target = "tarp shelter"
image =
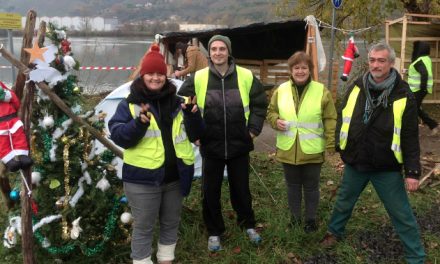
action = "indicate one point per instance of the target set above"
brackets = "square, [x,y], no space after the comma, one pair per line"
[261,47]
[402,32]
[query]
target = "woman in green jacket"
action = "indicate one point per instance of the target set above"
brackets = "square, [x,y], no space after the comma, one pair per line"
[304,115]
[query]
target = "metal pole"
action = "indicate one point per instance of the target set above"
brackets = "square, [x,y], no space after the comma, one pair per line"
[11,48]
[330,70]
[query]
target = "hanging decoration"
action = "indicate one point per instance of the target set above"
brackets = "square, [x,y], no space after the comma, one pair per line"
[351,52]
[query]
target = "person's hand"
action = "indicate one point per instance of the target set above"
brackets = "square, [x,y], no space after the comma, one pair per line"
[282,124]
[252,135]
[330,151]
[190,103]
[177,74]
[197,142]
[411,184]
[144,115]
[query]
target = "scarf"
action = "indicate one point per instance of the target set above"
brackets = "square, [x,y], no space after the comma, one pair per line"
[384,88]
[139,93]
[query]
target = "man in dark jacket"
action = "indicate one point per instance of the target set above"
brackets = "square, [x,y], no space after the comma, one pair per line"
[233,104]
[420,80]
[377,133]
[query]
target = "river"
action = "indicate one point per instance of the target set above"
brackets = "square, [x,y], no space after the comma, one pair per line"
[95,52]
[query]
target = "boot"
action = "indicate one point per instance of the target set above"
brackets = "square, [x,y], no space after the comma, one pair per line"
[143,261]
[25,161]
[329,240]
[13,165]
[165,253]
[310,226]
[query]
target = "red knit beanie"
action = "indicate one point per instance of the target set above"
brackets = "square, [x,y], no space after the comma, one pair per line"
[153,62]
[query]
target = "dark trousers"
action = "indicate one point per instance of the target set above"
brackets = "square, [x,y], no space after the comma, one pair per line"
[420,95]
[390,188]
[241,200]
[301,178]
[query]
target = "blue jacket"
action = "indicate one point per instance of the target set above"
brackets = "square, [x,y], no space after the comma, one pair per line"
[127,131]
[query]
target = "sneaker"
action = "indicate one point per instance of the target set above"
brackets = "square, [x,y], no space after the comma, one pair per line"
[434,131]
[310,226]
[329,240]
[214,243]
[253,236]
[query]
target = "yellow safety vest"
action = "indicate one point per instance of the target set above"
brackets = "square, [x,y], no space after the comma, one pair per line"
[308,123]
[414,77]
[244,77]
[149,153]
[347,114]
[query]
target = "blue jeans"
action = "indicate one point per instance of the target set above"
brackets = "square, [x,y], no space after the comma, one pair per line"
[149,203]
[390,187]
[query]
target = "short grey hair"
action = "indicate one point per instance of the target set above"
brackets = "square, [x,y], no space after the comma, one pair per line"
[383,46]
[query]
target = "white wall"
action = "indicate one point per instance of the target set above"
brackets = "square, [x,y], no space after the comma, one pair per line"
[78,23]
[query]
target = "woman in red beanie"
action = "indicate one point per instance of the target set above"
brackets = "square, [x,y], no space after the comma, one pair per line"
[155,129]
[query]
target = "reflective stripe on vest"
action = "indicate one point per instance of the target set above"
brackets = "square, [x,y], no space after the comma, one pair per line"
[244,78]
[414,77]
[308,124]
[347,113]
[149,153]
[398,109]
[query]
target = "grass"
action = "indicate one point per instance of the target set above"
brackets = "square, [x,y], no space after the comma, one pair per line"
[282,244]
[370,237]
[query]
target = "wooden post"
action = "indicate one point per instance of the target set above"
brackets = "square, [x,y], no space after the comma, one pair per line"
[41,33]
[26,97]
[311,50]
[27,240]
[403,45]
[387,32]
[24,57]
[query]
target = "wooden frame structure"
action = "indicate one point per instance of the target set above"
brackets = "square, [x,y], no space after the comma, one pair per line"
[401,32]
[261,47]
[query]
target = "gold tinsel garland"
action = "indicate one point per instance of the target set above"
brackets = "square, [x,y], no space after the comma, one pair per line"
[65,140]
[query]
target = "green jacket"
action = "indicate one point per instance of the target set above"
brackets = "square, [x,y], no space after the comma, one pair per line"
[295,155]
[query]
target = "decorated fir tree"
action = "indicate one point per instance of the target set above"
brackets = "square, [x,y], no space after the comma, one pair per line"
[77,197]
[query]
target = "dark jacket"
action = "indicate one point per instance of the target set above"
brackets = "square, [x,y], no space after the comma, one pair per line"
[369,145]
[420,49]
[226,134]
[127,131]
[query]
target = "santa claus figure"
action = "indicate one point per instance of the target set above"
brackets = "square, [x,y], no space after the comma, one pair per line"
[65,46]
[351,52]
[14,149]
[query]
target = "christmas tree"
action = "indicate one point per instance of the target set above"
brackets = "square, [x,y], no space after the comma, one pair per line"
[77,199]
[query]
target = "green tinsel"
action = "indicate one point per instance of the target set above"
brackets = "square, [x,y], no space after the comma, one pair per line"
[108,231]
[68,91]
[39,169]
[47,142]
[60,120]
[107,156]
